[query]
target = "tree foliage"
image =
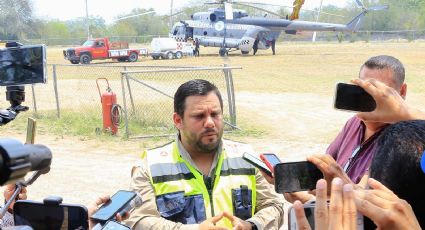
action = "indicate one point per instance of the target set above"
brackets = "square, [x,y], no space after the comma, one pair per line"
[15,18]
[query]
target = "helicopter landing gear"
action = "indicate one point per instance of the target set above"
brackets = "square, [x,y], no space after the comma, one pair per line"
[223,52]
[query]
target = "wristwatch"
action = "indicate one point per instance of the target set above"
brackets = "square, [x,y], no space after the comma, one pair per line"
[253,226]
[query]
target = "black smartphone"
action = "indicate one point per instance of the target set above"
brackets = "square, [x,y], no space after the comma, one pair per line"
[50,217]
[270,159]
[23,65]
[309,214]
[257,162]
[353,98]
[115,205]
[296,176]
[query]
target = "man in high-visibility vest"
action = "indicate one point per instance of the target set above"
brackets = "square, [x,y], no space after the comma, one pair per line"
[200,181]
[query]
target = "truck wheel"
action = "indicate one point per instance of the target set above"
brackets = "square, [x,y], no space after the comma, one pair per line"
[85,59]
[170,55]
[74,62]
[155,57]
[121,59]
[133,57]
[179,55]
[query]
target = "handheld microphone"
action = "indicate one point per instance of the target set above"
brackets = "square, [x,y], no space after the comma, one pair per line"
[17,159]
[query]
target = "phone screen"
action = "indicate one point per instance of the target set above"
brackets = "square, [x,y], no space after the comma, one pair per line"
[353,98]
[296,176]
[23,65]
[271,158]
[257,163]
[109,209]
[49,217]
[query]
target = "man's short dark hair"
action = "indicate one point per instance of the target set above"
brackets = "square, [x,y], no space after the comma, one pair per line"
[396,163]
[196,87]
[387,62]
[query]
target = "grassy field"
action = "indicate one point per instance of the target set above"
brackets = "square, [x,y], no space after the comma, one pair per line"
[283,105]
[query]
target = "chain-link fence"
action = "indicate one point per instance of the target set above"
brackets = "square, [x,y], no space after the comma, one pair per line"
[146,92]
[148,97]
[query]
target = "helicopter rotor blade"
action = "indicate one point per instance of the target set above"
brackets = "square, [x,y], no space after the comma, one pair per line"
[132,16]
[377,8]
[360,4]
[285,6]
[259,8]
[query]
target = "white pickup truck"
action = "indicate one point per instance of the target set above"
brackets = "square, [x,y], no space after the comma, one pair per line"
[169,48]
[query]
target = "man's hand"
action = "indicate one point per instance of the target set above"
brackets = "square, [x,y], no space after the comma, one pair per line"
[384,208]
[209,224]
[8,192]
[268,178]
[238,224]
[330,169]
[390,106]
[341,213]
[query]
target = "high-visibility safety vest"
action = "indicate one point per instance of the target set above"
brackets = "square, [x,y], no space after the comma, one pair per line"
[183,196]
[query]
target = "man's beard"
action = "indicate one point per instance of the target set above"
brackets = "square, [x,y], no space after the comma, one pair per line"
[210,147]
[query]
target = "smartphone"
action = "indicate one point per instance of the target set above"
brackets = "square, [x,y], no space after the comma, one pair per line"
[292,219]
[23,65]
[113,225]
[270,159]
[118,202]
[296,176]
[41,216]
[353,98]
[257,162]
[309,214]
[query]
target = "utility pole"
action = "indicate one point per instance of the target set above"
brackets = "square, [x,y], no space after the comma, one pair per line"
[317,19]
[171,14]
[87,22]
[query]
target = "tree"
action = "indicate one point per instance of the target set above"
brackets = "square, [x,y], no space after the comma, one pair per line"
[15,19]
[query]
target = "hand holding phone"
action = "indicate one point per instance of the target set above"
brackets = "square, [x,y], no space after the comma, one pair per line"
[353,98]
[270,159]
[257,163]
[121,202]
[296,176]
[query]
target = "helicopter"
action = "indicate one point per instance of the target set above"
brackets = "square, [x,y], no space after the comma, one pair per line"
[233,29]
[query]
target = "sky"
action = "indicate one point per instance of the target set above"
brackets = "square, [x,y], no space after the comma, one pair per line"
[108,9]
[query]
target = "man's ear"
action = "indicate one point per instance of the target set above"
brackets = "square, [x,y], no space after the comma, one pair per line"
[403,90]
[178,121]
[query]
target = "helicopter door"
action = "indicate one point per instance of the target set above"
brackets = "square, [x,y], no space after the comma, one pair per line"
[189,32]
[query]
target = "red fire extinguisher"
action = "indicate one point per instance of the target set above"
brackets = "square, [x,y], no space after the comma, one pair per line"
[108,100]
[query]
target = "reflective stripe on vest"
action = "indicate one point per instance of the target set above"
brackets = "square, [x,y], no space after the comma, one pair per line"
[170,173]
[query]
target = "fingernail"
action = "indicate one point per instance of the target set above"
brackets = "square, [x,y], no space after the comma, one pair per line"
[348,188]
[321,184]
[337,181]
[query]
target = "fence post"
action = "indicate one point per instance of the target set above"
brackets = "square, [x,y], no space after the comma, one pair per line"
[230,95]
[55,86]
[33,99]
[130,93]
[125,103]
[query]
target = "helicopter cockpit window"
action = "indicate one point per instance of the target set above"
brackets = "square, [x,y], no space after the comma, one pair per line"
[175,30]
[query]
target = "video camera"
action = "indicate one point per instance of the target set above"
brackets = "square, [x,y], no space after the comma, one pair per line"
[17,159]
[20,65]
